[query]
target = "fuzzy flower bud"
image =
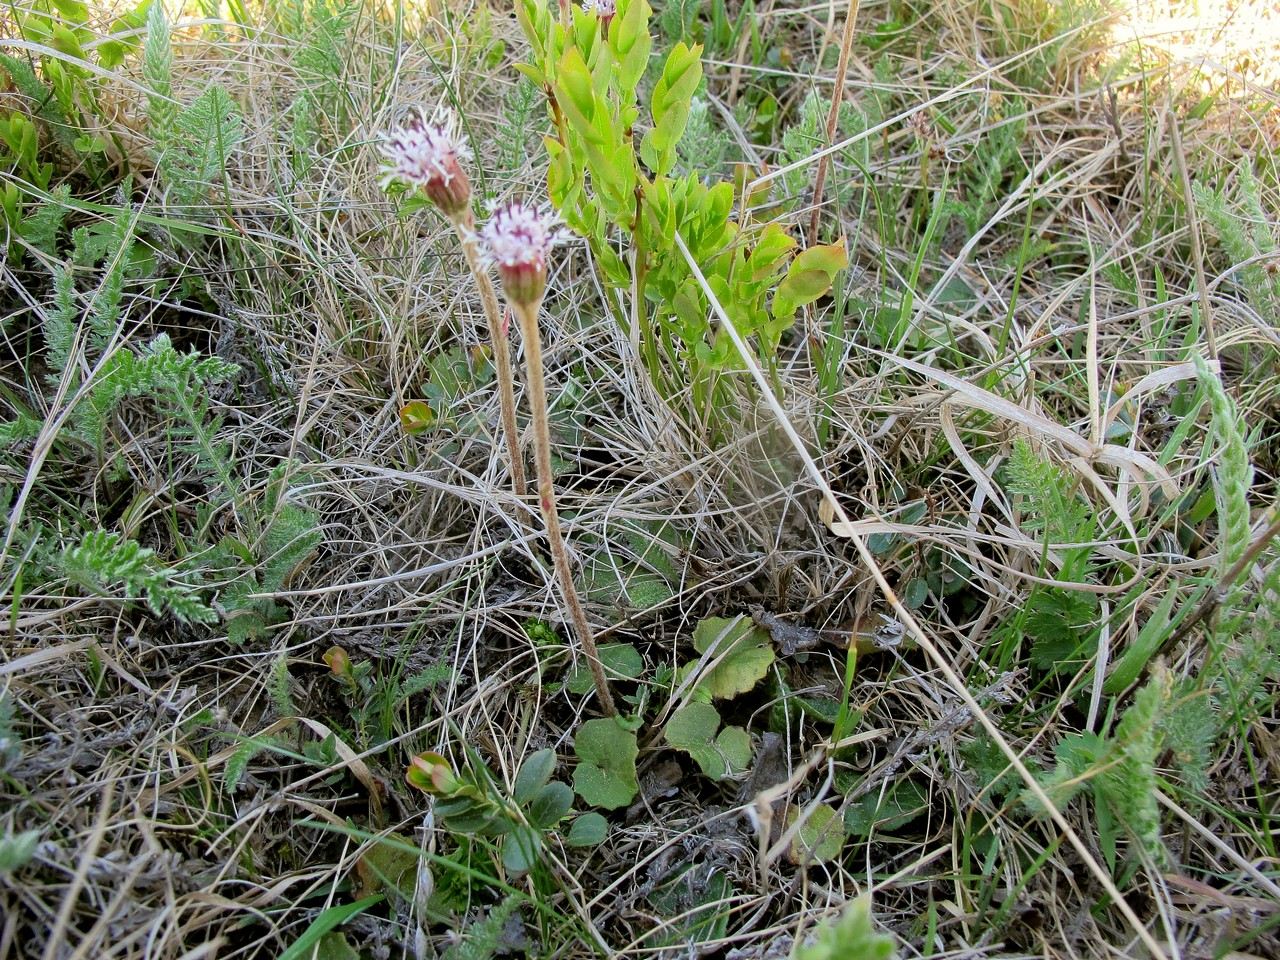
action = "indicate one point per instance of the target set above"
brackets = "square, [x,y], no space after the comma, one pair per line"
[426,155]
[517,239]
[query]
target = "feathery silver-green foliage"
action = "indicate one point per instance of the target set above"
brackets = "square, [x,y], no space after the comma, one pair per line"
[705,144]
[42,225]
[1247,238]
[206,134]
[157,74]
[482,937]
[320,30]
[1118,770]
[1060,621]
[104,561]
[1245,651]
[996,157]
[808,135]
[20,428]
[1128,783]
[289,536]
[175,381]
[520,110]
[60,320]
[1234,477]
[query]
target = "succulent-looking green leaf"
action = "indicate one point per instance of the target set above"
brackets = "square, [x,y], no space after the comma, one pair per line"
[520,849]
[741,652]
[820,837]
[416,416]
[851,937]
[588,830]
[809,277]
[534,772]
[550,805]
[606,774]
[17,848]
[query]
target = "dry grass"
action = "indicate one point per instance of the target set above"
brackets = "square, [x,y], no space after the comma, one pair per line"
[161,837]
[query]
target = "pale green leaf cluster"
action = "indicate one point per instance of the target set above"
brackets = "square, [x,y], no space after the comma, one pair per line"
[851,936]
[205,134]
[605,187]
[482,937]
[606,772]
[289,535]
[719,752]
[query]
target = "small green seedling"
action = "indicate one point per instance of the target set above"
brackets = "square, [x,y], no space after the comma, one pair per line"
[471,803]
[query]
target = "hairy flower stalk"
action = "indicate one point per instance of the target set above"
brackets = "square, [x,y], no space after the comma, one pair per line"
[428,157]
[518,238]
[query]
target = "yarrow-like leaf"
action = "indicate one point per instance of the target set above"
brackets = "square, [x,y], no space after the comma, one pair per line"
[428,155]
[517,239]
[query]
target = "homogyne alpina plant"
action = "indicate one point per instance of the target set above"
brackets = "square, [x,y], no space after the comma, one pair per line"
[518,239]
[607,188]
[427,156]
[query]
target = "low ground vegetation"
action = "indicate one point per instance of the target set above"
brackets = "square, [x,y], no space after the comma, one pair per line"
[939,608]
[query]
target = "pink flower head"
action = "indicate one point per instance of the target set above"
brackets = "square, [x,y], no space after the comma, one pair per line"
[604,9]
[518,238]
[426,154]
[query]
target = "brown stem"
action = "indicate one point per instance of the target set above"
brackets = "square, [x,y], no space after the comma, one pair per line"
[833,118]
[501,353]
[1214,597]
[528,316]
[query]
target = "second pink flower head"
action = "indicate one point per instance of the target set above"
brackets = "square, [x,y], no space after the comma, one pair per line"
[517,239]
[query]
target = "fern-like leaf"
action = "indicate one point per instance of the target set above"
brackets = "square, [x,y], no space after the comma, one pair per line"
[103,560]
[207,133]
[481,938]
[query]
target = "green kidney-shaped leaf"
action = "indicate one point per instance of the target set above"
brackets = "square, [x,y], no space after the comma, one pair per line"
[606,772]
[621,661]
[743,651]
[819,839]
[692,729]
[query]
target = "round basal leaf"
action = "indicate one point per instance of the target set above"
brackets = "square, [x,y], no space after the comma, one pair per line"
[588,830]
[520,849]
[550,805]
[621,661]
[743,651]
[606,772]
[534,772]
[693,725]
[819,839]
[692,729]
[734,745]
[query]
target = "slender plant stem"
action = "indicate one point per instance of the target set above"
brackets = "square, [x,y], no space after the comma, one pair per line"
[833,118]
[528,316]
[501,354]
